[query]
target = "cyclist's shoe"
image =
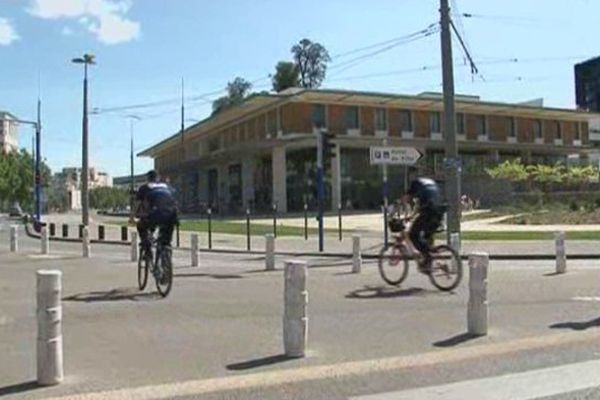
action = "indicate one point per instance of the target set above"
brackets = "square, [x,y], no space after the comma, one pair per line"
[424,266]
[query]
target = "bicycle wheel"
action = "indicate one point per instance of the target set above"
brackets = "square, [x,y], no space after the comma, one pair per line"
[446,268]
[393,263]
[164,278]
[144,264]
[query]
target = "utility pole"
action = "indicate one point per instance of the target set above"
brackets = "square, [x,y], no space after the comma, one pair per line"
[320,185]
[38,160]
[452,162]
[182,155]
[87,59]
[385,199]
[131,117]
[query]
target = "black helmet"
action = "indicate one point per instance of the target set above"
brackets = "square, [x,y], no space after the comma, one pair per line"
[152,175]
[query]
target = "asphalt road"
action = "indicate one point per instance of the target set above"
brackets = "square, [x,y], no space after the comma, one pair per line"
[219,332]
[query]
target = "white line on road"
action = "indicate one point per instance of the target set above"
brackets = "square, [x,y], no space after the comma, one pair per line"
[584,298]
[333,371]
[521,386]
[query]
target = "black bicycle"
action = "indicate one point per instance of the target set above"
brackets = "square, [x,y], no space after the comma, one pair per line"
[445,271]
[156,257]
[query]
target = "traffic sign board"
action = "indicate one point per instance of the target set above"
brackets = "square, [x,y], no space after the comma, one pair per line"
[394,155]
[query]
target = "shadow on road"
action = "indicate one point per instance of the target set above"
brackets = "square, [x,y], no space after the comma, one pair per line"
[577,326]
[553,273]
[259,362]
[456,340]
[204,275]
[120,294]
[373,292]
[19,388]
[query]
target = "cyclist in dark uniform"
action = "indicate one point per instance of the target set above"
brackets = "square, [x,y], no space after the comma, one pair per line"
[156,207]
[430,210]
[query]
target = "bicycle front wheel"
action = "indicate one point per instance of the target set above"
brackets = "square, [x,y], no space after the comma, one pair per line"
[446,268]
[393,263]
[144,264]
[164,278]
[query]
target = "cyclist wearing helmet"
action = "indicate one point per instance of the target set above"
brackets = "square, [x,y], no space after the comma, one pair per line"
[156,207]
[430,211]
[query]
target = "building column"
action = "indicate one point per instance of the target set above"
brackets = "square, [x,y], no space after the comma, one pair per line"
[279,167]
[248,167]
[336,179]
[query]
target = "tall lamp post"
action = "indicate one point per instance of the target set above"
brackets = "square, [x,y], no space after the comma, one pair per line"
[87,59]
[131,117]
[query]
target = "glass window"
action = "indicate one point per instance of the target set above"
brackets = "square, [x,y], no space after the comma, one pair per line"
[381,119]
[558,130]
[434,122]
[512,126]
[460,123]
[318,115]
[214,144]
[577,131]
[406,121]
[480,125]
[537,129]
[351,117]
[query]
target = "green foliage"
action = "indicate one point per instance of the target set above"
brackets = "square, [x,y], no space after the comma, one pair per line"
[511,170]
[16,178]
[237,91]
[286,76]
[311,60]
[105,198]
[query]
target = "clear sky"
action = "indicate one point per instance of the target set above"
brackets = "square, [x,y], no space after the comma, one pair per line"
[524,49]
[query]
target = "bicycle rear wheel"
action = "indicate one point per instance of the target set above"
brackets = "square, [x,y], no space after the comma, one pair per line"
[164,278]
[393,263]
[144,264]
[446,268]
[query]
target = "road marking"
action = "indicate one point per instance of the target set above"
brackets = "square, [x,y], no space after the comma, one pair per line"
[584,298]
[344,369]
[521,386]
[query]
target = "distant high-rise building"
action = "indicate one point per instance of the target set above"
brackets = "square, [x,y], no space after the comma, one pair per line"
[587,84]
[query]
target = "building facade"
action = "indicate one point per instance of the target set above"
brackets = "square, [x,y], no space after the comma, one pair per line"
[69,180]
[125,181]
[9,139]
[587,85]
[263,152]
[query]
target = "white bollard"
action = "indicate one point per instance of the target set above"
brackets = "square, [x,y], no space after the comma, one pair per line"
[356,255]
[14,238]
[49,321]
[194,249]
[270,252]
[85,241]
[45,242]
[295,321]
[561,258]
[477,312]
[135,246]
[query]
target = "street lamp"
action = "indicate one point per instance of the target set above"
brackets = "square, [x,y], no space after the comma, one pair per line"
[131,117]
[87,59]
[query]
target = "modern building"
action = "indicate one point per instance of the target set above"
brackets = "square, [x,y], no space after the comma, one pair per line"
[9,139]
[69,179]
[263,152]
[587,85]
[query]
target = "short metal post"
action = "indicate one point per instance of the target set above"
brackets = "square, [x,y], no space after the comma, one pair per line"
[295,320]
[65,230]
[52,229]
[269,252]
[14,239]
[340,222]
[356,255]
[209,228]
[385,225]
[561,257]
[45,242]
[194,239]
[248,229]
[135,246]
[49,328]
[305,221]
[85,241]
[275,220]
[124,233]
[477,309]
[100,232]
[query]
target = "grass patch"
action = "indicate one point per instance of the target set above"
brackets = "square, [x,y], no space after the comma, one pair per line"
[239,228]
[520,235]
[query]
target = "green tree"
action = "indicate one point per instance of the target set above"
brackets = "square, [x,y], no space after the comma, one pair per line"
[106,198]
[237,91]
[286,76]
[16,179]
[311,60]
[511,170]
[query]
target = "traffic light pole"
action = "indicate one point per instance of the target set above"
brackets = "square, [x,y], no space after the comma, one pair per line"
[320,186]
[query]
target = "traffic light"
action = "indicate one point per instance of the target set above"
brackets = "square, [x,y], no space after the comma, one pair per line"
[328,145]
